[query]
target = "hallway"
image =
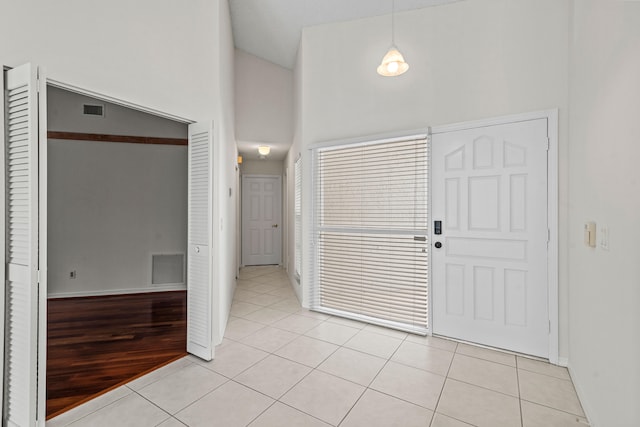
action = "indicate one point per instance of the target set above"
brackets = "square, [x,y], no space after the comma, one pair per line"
[281,365]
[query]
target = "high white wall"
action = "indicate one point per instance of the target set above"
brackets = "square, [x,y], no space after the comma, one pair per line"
[226,175]
[264,105]
[289,162]
[160,55]
[111,205]
[264,115]
[262,167]
[469,60]
[604,343]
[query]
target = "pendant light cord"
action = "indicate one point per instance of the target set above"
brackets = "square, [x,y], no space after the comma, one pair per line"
[393,24]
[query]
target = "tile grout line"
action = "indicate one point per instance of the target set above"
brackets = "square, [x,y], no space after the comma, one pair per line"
[552,408]
[312,369]
[519,394]
[316,368]
[265,410]
[391,356]
[301,411]
[94,411]
[156,405]
[446,377]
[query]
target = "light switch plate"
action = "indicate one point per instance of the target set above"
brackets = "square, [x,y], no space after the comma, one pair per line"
[590,234]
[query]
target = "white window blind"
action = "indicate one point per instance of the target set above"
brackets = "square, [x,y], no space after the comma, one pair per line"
[298,216]
[370,232]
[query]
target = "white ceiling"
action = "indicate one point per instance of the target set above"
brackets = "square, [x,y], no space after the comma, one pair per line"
[270,29]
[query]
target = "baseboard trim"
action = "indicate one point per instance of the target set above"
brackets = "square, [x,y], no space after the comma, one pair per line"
[116,291]
[582,397]
[296,288]
[563,361]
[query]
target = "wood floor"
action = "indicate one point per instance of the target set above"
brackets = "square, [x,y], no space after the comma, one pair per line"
[97,343]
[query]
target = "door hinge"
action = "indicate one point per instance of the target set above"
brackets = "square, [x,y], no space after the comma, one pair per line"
[39,82]
[548,143]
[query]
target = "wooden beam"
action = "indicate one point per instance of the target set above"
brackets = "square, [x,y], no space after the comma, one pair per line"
[76,136]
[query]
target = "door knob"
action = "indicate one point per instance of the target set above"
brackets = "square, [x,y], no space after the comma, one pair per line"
[275,226]
[438,245]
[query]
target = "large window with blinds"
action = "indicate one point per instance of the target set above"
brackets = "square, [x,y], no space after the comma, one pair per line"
[369,243]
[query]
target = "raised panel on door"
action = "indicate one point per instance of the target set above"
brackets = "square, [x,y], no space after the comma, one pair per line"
[489,189]
[261,216]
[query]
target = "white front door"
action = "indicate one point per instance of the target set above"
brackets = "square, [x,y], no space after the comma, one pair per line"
[261,214]
[489,272]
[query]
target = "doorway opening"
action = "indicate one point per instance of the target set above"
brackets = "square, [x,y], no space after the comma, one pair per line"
[117,239]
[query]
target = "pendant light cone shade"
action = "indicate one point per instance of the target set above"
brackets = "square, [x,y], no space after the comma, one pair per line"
[264,150]
[392,64]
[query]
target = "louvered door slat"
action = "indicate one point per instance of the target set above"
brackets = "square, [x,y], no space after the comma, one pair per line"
[199,266]
[21,199]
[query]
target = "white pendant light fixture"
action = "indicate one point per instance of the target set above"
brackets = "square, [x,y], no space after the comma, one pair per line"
[393,63]
[264,150]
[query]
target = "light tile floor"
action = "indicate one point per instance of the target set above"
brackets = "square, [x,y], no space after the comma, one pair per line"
[280,365]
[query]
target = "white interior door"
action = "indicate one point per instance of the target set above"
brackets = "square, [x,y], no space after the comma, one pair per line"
[261,220]
[24,176]
[489,271]
[200,242]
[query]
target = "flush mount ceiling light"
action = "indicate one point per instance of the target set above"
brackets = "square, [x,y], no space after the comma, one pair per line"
[264,150]
[393,63]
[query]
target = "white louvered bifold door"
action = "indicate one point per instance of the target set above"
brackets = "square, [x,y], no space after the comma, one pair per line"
[23,404]
[298,216]
[199,262]
[370,232]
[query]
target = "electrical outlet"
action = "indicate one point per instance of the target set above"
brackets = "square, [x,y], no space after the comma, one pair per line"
[73,274]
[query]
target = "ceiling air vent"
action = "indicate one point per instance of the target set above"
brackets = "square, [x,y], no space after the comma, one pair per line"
[93,110]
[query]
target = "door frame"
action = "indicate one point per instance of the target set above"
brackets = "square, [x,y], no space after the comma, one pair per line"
[552,209]
[280,206]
